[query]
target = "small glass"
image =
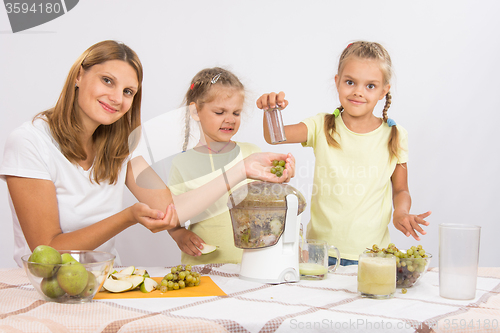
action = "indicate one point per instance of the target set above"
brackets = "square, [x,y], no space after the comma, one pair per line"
[313,259]
[377,275]
[275,125]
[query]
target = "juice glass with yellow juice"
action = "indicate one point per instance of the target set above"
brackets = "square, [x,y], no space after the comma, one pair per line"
[313,259]
[377,275]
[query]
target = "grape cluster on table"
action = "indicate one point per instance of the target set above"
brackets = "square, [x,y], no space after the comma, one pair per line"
[179,277]
[410,263]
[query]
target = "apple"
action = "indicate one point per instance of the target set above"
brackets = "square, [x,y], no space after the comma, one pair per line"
[92,285]
[127,271]
[50,287]
[208,248]
[45,260]
[73,278]
[116,286]
[123,273]
[148,285]
[136,280]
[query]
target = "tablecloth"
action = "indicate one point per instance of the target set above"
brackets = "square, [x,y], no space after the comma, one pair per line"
[330,305]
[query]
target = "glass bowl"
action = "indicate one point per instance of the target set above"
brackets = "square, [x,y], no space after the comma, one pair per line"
[409,271]
[76,281]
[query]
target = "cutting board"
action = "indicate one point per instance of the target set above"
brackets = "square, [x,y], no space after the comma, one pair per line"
[207,287]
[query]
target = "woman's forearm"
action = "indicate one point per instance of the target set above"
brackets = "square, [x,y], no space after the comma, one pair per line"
[194,202]
[93,236]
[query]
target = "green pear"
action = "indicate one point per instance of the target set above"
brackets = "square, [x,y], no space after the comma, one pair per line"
[91,286]
[44,261]
[66,258]
[51,288]
[73,278]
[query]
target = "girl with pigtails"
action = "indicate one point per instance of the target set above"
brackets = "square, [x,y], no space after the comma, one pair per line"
[214,101]
[361,159]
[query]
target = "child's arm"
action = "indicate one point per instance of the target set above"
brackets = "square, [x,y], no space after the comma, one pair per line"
[187,241]
[405,222]
[294,133]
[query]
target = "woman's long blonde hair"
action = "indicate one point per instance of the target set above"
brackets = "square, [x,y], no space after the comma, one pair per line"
[373,51]
[110,141]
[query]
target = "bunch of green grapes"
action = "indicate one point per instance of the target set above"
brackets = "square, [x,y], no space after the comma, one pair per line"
[278,167]
[179,277]
[410,263]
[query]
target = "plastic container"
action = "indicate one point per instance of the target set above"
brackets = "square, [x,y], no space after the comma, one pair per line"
[258,213]
[275,125]
[458,260]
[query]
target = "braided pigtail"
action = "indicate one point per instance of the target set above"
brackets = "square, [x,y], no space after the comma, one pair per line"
[329,127]
[393,143]
[187,129]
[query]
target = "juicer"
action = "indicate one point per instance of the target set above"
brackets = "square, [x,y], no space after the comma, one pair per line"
[266,222]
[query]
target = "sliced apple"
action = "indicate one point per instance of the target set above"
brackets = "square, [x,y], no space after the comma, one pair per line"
[127,271]
[117,286]
[119,276]
[148,285]
[136,280]
[208,248]
[141,272]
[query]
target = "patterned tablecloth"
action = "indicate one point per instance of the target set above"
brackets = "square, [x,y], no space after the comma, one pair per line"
[331,305]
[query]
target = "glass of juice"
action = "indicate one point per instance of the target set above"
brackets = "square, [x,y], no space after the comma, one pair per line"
[313,259]
[377,275]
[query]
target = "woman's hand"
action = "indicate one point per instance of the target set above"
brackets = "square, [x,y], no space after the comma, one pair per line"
[258,166]
[153,219]
[270,100]
[187,241]
[409,224]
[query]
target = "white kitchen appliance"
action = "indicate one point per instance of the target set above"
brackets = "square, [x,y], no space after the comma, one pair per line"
[266,222]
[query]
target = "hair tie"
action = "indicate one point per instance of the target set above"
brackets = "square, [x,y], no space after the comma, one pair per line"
[336,113]
[391,122]
[192,86]
[348,46]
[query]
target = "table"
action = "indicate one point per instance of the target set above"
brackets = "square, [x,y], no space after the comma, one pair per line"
[330,305]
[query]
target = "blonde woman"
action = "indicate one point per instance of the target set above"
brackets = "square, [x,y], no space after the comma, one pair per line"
[66,170]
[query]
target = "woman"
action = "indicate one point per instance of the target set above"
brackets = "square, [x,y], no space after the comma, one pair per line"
[66,170]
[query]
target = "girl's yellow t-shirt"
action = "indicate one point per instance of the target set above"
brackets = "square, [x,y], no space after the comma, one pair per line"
[193,169]
[351,202]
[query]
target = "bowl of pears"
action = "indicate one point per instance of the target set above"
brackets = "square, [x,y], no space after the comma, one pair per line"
[67,276]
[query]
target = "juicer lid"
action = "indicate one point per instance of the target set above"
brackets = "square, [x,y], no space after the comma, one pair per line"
[259,194]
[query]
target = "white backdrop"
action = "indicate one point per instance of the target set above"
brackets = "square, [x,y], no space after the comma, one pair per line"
[445,91]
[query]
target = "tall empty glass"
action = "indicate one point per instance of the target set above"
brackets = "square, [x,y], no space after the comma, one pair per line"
[275,125]
[458,260]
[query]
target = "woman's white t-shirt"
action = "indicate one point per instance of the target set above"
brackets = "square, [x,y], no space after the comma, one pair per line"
[32,152]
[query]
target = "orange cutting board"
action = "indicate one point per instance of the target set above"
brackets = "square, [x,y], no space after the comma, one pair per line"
[207,287]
